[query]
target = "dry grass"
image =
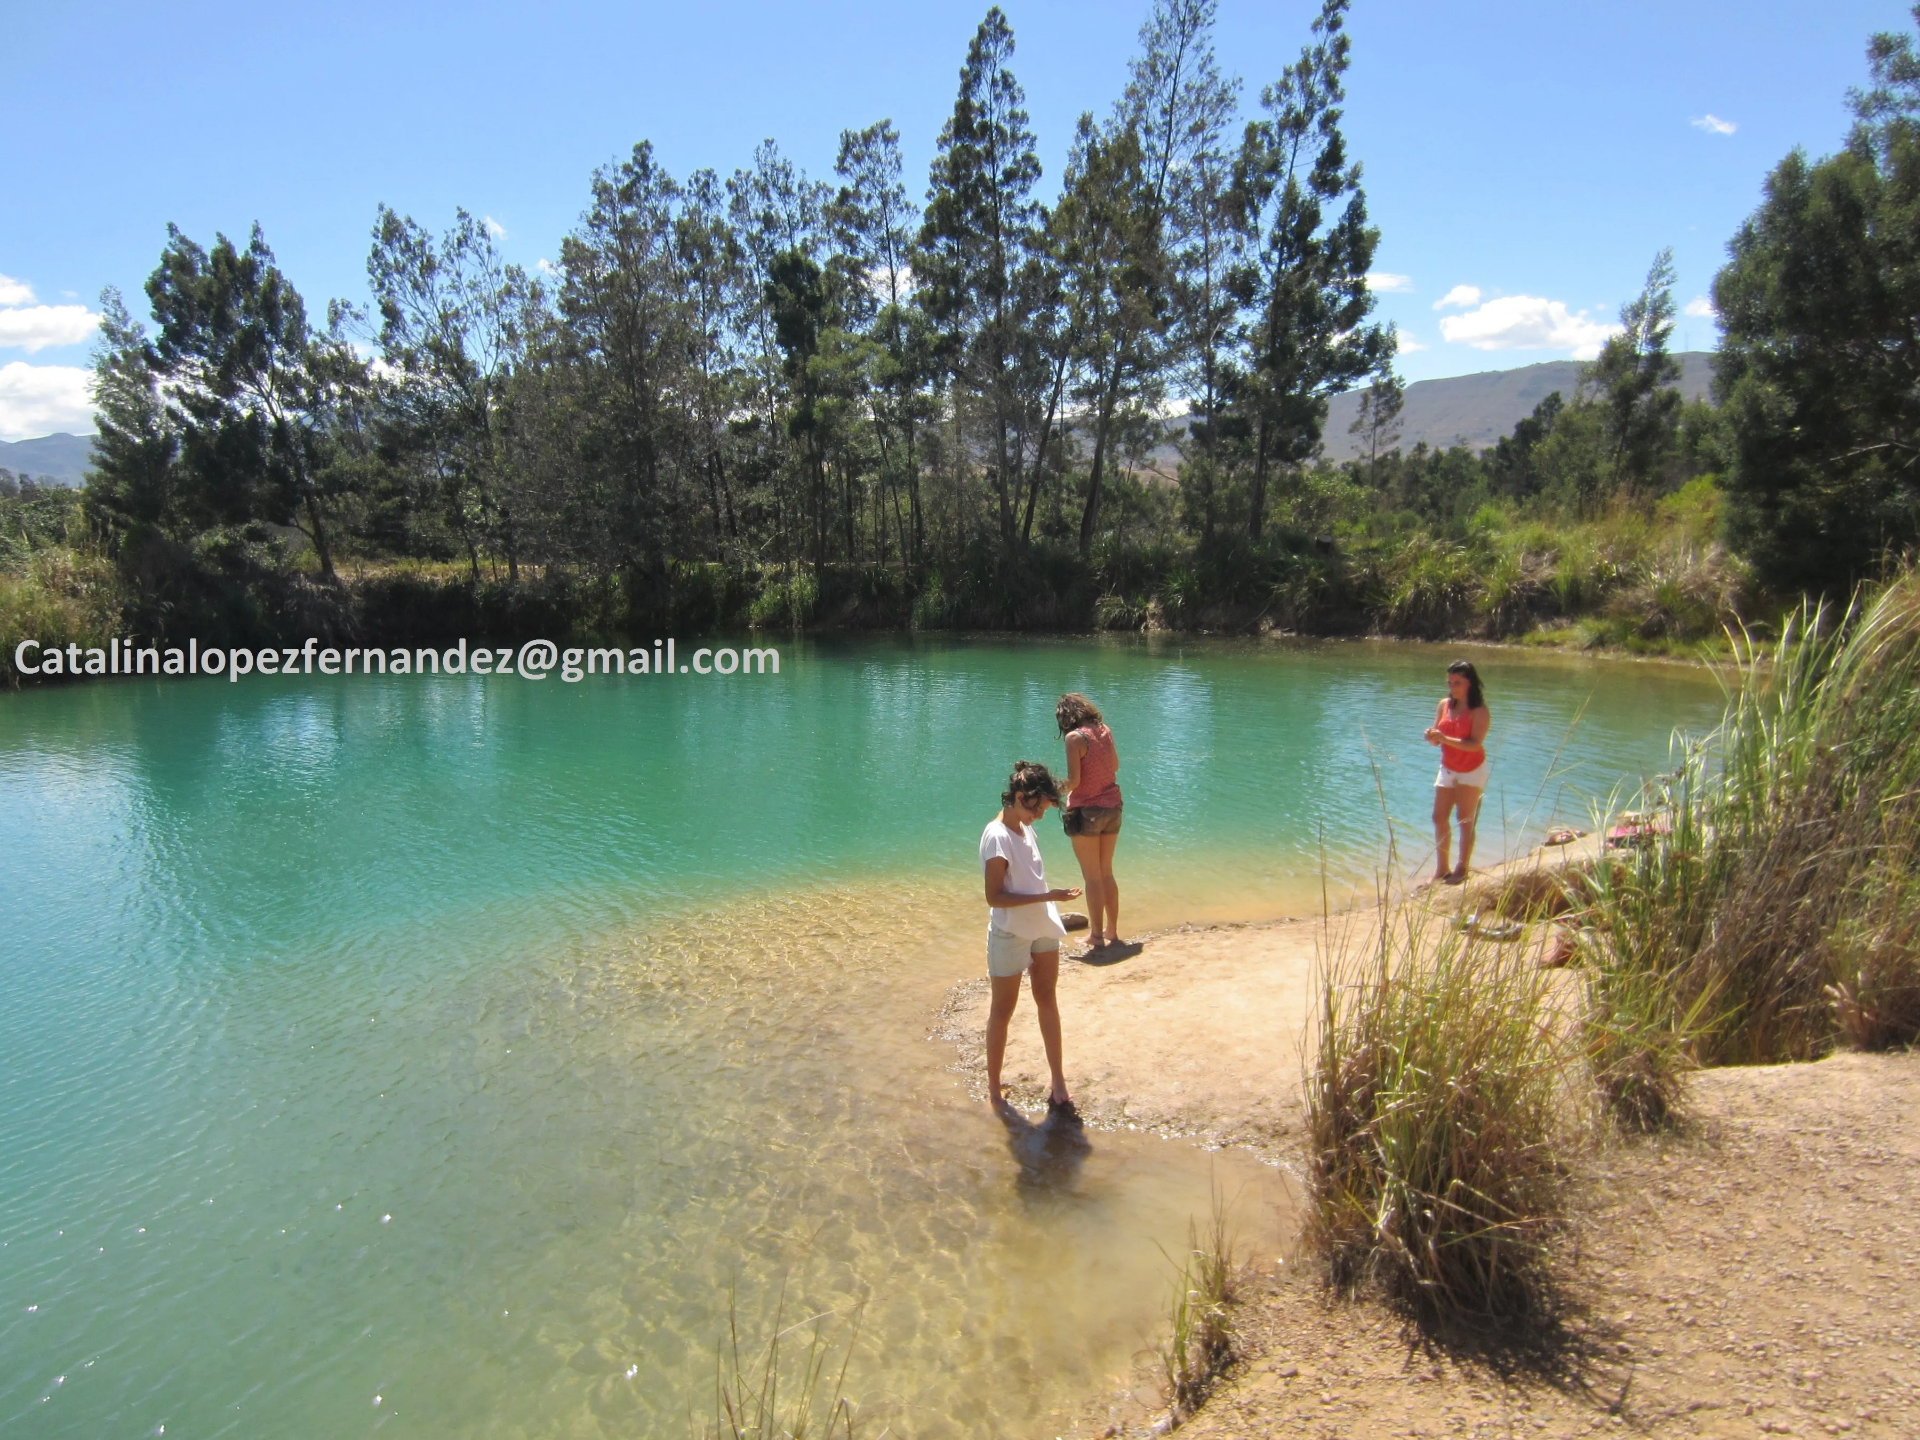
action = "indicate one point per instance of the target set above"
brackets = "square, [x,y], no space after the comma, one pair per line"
[1433,1111]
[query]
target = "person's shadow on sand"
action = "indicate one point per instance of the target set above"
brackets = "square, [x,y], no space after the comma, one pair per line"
[1049,1153]
[1111,954]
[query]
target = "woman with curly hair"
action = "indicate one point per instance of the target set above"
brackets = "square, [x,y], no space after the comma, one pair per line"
[1093,805]
[1023,925]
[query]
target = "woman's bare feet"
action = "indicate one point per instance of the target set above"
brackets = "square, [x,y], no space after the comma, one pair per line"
[1454,877]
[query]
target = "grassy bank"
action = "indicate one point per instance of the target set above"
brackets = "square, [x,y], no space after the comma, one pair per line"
[1644,581]
[1770,913]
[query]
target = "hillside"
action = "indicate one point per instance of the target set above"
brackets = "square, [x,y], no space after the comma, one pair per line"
[63,459]
[1478,409]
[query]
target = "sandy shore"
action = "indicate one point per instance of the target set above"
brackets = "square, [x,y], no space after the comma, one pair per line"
[1198,1030]
[1756,1273]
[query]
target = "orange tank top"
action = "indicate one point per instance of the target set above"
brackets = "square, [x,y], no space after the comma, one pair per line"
[1459,728]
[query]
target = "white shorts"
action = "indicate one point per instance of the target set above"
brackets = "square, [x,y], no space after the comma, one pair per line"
[1013,954]
[1476,778]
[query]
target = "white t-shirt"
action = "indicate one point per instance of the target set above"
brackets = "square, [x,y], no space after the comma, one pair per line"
[1026,875]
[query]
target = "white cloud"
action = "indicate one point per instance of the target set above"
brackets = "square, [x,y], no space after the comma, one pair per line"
[546,267]
[1388,283]
[1713,124]
[15,292]
[1409,345]
[495,228]
[1700,308]
[35,327]
[1526,322]
[1460,295]
[41,399]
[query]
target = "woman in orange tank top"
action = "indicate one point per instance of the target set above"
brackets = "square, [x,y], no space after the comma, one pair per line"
[1460,730]
[1093,811]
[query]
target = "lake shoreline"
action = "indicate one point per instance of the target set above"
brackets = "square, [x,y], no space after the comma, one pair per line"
[1737,1275]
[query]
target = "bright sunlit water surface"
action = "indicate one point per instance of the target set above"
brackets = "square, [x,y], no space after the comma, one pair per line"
[438,1054]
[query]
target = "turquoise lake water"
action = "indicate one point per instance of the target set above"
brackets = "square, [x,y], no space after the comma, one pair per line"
[435,1055]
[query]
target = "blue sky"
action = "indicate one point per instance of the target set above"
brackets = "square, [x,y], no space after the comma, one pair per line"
[1537,154]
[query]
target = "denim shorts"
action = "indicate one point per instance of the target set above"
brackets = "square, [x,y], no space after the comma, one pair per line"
[1092,820]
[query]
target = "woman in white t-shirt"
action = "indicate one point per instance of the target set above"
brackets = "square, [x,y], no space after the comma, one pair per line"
[1023,925]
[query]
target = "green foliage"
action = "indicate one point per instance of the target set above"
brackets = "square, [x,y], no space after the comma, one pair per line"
[1199,1343]
[1818,306]
[1774,912]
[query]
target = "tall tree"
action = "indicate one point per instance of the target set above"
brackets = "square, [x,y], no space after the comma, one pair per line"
[1819,369]
[711,264]
[1377,422]
[875,225]
[133,487]
[980,234]
[259,397]
[1304,281]
[453,327]
[624,310]
[1143,242]
[1634,380]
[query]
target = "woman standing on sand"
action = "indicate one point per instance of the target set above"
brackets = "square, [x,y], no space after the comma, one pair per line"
[1092,818]
[1023,927]
[1460,730]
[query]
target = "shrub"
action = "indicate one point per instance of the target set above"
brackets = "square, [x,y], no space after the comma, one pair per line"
[1432,1109]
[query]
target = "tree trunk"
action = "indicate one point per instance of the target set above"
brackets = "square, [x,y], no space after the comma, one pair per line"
[1257,510]
[1103,423]
[320,539]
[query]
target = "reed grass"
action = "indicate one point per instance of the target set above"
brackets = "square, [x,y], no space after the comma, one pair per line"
[1199,1343]
[781,1395]
[1779,909]
[1433,1111]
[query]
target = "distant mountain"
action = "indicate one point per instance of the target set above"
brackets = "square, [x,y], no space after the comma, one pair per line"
[1476,410]
[63,459]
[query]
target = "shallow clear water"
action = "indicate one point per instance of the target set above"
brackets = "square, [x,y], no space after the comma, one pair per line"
[465,1042]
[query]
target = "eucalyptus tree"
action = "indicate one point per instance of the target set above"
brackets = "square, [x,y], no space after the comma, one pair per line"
[1303,279]
[454,321]
[978,246]
[258,396]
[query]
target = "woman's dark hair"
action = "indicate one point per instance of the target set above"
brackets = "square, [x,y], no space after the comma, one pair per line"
[1475,700]
[1073,710]
[1030,779]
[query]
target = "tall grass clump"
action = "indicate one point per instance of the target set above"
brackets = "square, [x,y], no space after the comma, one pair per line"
[1199,1343]
[1432,1107]
[781,1396]
[1777,908]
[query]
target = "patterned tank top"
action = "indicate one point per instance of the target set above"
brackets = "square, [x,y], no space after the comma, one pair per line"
[1459,727]
[1097,767]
